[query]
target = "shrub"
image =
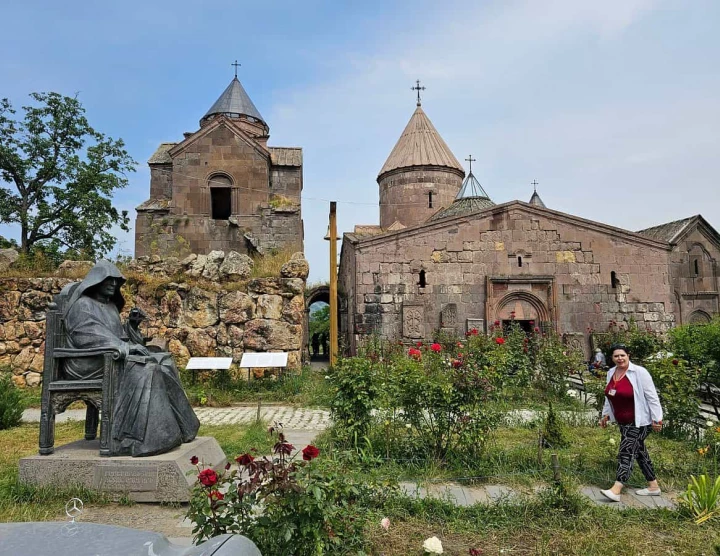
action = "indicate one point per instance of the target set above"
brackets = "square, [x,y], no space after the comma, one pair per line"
[555,361]
[702,498]
[285,506]
[677,387]
[699,345]
[553,433]
[355,383]
[642,343]
[11,403]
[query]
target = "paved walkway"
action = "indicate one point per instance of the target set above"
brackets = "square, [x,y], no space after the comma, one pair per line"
[292,418]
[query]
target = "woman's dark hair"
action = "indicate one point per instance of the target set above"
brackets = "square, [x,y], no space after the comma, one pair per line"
[619,346]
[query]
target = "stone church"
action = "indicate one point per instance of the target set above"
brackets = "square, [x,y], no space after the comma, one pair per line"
[222,187]
[446,257]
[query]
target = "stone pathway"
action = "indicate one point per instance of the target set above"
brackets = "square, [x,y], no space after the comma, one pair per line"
[488,494]
[292,418]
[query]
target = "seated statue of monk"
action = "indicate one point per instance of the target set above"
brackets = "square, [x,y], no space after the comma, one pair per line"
[151,414]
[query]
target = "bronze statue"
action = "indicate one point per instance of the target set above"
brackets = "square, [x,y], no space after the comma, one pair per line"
[151,413]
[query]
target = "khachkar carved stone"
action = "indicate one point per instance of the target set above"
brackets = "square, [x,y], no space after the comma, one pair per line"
[448,318]
[413,321]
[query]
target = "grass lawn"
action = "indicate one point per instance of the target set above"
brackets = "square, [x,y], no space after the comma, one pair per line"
[19,502]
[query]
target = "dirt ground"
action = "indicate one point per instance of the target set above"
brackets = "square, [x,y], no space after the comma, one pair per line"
[165,519]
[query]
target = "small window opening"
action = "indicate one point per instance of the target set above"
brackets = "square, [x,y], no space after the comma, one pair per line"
[220,201]
[696,267]
[430,199]
[421,283]
[519,260]
[613,280]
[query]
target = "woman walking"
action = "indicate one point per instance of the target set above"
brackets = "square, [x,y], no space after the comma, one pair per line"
[632,401]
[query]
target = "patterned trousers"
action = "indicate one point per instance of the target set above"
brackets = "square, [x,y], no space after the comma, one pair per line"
[632,447]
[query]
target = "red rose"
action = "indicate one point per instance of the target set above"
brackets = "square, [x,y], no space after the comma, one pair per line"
[456,363]
[419,344]
[207,477]
[216,495]
[500,341]
[532,323]
[245,459]
[227,466]
[675,362]
[437,348]
[310,452]
[497,323]
[194,460]
[536,329]
[415,353]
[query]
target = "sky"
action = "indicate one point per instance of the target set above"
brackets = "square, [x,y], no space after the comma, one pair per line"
[613,107]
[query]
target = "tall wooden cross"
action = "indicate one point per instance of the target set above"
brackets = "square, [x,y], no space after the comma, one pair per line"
[236,67]
[470,159]
[417,88]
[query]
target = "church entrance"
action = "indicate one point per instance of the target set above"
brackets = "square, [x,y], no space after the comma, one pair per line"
[525,301]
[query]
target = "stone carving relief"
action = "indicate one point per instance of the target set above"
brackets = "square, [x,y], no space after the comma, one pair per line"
[413,321]
[448,316]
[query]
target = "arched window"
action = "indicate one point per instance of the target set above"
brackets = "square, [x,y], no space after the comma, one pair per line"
[519,260]
[422,282]
[220,196]
[430,199]
[614,282]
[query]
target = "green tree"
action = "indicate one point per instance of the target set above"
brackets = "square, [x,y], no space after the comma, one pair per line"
[61,175]
[320,321]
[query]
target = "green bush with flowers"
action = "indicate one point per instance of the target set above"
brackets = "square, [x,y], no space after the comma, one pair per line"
[287,504]
[676,385]
[432,400]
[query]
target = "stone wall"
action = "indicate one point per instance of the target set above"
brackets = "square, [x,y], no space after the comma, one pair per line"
[538,265]
[202,316]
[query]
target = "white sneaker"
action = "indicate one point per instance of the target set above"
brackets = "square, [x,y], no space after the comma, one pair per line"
[611,495]
[648,492]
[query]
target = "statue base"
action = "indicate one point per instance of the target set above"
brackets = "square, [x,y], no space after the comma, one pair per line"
[164,478]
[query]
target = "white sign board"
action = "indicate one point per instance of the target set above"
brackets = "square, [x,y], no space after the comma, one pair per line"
[200,363]
[264,360]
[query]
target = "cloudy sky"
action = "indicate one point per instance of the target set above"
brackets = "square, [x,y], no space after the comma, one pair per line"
[613,107]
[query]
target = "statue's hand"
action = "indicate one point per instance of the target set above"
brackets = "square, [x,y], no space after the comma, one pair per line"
[137,349]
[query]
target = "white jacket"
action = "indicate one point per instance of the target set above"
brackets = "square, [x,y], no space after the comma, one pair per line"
[647,403]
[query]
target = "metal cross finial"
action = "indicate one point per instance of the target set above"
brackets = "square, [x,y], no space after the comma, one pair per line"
[236,67]
[534,184]
[470,159]
[417,88]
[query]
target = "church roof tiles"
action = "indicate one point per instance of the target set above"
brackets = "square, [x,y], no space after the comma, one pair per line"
[471,197]
[420,145]
[536,200]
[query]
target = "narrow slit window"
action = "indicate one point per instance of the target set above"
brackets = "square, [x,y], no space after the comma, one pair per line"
[696,267]
[519,260]
[422,282]
[613,280]
[430,199]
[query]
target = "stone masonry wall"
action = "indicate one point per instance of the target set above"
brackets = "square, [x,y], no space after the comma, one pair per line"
[200,318]
[564,269]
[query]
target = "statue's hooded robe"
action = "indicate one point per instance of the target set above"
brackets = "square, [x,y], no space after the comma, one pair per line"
[151,412]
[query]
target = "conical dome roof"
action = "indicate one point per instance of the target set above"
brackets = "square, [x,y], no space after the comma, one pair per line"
[235,103]
[420,145]
[536,200]
[470,198]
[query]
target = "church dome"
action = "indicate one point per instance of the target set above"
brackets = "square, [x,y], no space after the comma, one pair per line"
[420,145]
[470,198]
[234,102]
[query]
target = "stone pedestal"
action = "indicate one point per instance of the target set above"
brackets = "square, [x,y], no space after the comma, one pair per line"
[164,478]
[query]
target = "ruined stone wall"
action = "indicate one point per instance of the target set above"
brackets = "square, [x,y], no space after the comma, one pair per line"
[477,270]
[200,318]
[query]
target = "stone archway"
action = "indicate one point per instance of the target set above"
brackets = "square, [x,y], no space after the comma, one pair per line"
[699,317]
[521,306]
[314,295]
[528,300]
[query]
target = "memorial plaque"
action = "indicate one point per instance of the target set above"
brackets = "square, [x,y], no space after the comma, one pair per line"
[126,478]
[254,360]
[448,316]
[477,324]
[208,363]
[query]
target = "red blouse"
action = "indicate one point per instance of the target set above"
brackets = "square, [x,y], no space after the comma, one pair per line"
[623,402]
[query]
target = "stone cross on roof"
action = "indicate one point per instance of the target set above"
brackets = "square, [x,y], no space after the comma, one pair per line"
[417,88]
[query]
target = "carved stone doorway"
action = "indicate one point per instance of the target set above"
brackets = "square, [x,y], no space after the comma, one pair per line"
[524,300]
